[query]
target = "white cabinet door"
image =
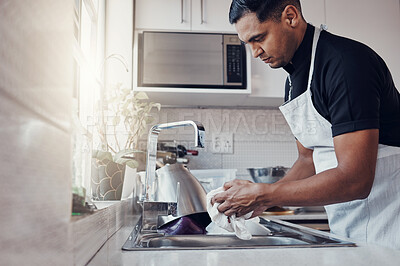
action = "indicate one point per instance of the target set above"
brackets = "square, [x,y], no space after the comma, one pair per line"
[211,15]
[163,14]
[375,23]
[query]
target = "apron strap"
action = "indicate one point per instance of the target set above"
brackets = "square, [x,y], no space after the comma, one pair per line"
[313,52]
[290,88]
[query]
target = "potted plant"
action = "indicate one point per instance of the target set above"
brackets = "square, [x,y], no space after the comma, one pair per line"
[124,116]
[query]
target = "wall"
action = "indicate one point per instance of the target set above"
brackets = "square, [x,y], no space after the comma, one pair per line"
[35,162]
[374,23]
[119,34]
[261,137]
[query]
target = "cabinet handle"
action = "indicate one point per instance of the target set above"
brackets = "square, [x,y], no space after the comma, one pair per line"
[202,11]
[181,11]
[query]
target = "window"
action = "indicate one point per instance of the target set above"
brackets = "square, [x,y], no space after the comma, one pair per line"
[89,31]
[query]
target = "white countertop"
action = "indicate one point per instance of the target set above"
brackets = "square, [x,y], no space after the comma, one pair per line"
[111,254]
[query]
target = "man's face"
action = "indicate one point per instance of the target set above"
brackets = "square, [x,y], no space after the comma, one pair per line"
[273,42]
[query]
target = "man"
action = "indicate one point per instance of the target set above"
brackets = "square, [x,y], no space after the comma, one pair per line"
[344,110]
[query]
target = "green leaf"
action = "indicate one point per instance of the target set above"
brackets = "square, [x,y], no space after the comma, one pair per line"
[101,155]
[128,161]
[158,105]
[149,119]
[125,112]
[126,91]
[116,120]
[141,96]
[122,153]
[132,164]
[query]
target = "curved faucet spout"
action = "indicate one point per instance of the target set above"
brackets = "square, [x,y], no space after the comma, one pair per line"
[199,133]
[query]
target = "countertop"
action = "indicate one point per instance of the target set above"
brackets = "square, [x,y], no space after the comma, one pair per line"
[111,254]
[301,215]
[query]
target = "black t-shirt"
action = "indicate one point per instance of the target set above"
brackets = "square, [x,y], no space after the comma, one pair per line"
[351,87]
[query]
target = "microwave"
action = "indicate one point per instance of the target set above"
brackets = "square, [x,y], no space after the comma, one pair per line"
[191,60]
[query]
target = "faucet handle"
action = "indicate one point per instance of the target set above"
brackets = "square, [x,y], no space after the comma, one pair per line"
[200,135]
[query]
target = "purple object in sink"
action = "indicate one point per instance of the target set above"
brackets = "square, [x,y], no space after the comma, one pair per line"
[183,226]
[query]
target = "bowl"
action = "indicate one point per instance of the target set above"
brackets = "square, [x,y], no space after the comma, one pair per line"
[268,174]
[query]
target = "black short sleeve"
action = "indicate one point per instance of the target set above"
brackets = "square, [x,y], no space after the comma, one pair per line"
[354,83]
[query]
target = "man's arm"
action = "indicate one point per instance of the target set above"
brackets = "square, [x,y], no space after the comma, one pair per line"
[352,179]
[303,167]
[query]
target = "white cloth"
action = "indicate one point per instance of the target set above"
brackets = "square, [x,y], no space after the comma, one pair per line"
[375,219]
[231,223]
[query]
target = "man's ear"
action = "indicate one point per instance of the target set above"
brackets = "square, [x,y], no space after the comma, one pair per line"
[291,16]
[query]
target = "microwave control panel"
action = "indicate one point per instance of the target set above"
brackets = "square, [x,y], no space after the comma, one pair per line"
[235,61]
[233,64]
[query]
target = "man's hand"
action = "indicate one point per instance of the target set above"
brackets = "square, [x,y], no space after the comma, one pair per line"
[241,197]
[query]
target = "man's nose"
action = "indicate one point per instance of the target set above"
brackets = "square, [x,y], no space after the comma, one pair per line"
[256,50]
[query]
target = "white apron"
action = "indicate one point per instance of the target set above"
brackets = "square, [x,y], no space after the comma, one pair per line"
[375,219]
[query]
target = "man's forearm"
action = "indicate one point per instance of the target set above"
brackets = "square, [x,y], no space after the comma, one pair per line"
[328,187]
[302,168]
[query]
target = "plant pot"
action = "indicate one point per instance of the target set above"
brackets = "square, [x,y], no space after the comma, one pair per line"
[107,179]
[129,182]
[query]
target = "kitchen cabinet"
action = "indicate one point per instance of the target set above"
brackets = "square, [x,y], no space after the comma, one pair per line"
[162,14]
[211,15]
[375,23]
[183,15]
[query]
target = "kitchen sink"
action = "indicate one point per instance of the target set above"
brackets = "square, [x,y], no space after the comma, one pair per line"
[206,241]
[266,234]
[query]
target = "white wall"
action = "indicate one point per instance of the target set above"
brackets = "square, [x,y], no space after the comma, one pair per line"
[119,32]
[35,162]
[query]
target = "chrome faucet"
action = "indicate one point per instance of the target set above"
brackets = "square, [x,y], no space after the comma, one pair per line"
[152,150]
[152,208]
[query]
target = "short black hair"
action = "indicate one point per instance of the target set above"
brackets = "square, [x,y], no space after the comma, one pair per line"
[264,9]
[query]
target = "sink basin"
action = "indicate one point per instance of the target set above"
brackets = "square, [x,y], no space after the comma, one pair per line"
[267,234]
[218,242]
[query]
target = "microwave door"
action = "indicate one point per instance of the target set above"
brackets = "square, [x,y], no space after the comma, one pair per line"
[182,60]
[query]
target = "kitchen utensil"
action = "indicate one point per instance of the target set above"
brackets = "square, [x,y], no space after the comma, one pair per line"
[268,174]
[176,184]
[276,210]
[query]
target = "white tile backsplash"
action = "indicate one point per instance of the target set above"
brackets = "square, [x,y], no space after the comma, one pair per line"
[250,154]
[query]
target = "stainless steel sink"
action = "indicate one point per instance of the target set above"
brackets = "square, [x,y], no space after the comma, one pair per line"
[267,234]
[206,241]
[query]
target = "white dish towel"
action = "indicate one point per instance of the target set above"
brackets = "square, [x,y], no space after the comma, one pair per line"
[233,224]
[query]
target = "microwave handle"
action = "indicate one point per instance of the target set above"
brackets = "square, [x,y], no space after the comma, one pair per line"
[181,11]
[202,11]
